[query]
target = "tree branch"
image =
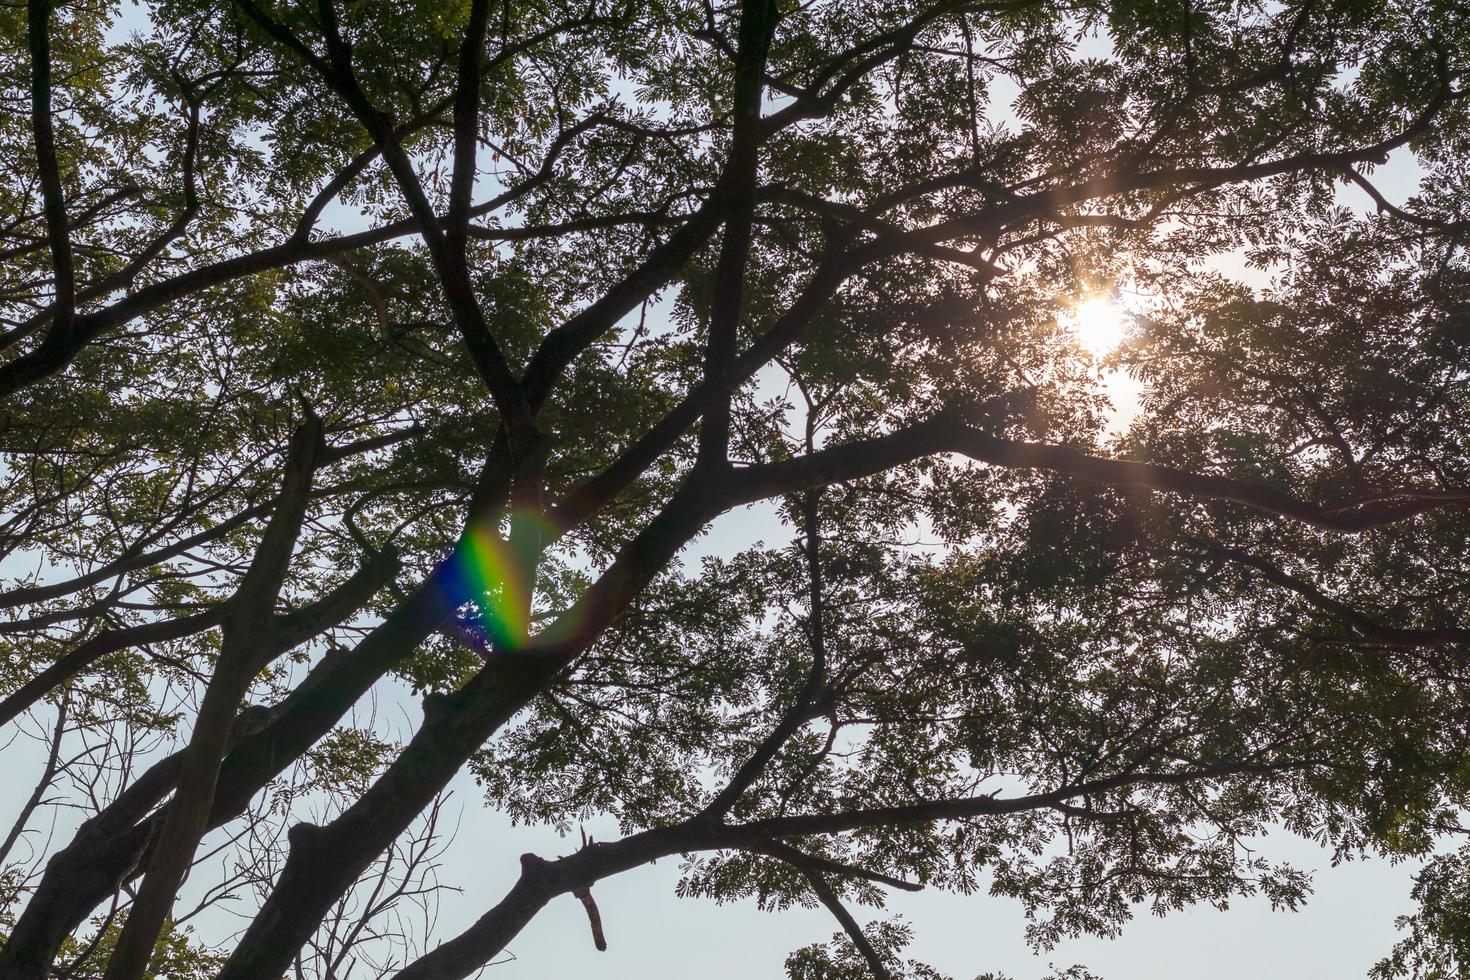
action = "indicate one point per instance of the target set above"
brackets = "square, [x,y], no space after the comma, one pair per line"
[829,898]
[245,636]
[947,431]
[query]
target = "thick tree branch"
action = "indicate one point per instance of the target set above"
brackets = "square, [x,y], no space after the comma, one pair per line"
[245,637]
[38,22]
[829,898]
[758,19]
[60,337]
[948,432]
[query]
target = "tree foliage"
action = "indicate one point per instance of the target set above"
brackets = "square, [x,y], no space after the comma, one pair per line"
[356,350]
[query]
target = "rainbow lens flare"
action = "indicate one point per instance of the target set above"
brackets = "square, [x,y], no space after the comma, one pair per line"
[486,571]
[494,580]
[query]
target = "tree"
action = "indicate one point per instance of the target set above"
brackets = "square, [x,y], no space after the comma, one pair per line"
[366,347]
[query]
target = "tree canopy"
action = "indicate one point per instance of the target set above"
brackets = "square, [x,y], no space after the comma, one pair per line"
[358,349]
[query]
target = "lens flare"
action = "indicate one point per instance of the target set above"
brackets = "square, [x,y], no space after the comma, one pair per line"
[486,571]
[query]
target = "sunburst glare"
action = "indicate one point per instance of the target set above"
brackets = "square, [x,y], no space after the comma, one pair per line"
[1098,324]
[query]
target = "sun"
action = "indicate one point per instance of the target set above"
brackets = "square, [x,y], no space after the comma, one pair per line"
[1098,324]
